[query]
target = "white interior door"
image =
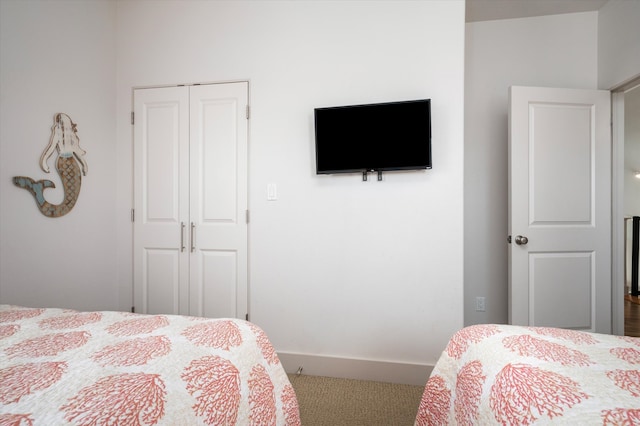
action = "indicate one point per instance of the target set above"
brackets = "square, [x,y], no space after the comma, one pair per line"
[560,208]
[190,186]
[161,200]
[219,200]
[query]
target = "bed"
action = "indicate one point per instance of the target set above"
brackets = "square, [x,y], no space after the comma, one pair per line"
[512,375]
[60,367]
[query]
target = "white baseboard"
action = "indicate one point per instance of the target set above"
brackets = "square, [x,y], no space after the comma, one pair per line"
[360,369]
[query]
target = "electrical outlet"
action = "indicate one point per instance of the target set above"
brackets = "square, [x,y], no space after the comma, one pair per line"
[480,304]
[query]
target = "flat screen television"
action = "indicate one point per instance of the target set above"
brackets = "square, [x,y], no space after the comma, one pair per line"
[373,137]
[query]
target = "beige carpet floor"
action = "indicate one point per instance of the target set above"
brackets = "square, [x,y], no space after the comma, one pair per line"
[327,401]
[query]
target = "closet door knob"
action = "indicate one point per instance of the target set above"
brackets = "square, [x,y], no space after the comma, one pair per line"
[181,236]
[193,242]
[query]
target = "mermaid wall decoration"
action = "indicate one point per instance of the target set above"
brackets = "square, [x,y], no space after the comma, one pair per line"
[70,166]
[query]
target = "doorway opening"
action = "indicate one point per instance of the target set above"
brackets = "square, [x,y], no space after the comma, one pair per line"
[626,158]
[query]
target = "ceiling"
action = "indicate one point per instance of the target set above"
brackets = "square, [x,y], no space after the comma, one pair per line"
[489,10]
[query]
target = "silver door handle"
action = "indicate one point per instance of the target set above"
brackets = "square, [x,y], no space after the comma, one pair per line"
[181,236]
[193,243]
[520,240]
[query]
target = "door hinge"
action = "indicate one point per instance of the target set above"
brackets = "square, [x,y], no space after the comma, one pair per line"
[248,111]
[133,118]
[246,317]
[247,216]
[133,309]
[133,215]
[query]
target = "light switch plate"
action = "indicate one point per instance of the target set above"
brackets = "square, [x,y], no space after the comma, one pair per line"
[272,192]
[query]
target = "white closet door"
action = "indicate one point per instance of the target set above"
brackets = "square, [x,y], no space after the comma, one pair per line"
[161,188]
[218,207]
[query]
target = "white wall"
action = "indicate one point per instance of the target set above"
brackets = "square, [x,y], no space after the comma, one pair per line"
[338,267]
[57,57]
[554,51]
[618,42]
[619,62]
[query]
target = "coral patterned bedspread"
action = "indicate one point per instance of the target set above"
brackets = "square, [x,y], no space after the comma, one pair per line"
[510,375]
[61,367]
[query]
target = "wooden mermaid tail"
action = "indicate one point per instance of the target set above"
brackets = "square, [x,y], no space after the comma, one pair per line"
[64,140]
[70,175]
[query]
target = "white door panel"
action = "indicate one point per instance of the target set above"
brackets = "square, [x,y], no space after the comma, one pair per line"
[161,278]
[190,232]
[219,199]
[562,284]
[215,166]
[560,200]
[161,188]
[217,277]
[560,164]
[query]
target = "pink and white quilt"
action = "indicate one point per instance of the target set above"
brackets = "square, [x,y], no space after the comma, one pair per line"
[62,367]
[511,375]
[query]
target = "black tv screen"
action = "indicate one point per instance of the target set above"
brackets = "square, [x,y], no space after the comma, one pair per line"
[373,137]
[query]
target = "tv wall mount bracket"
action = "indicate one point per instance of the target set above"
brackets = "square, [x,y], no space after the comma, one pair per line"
[364,176]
